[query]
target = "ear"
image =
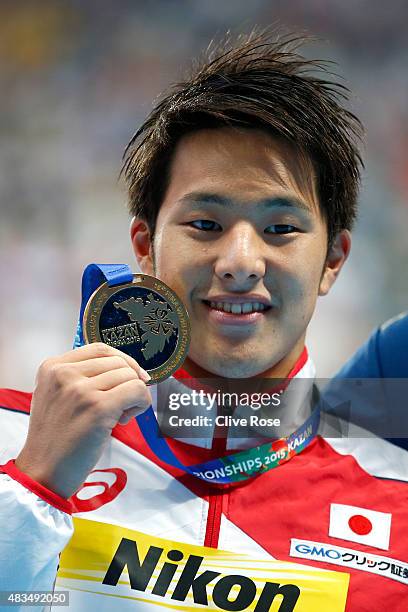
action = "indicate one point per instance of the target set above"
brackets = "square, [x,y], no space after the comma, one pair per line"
[336,257]
[142,245]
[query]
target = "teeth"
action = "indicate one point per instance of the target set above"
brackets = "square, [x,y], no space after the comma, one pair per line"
[245,308]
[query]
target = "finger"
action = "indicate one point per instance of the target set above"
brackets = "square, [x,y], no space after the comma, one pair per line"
[130,394]
[100,365]
[100,350]
[128,415]
[114,378]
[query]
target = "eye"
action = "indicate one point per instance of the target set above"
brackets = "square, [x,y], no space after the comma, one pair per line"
[281,228]
[205,225]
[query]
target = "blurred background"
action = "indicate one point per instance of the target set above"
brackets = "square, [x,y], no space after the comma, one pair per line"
[76,80]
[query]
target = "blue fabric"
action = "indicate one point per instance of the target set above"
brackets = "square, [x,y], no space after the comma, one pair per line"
[379,408]
[384,355]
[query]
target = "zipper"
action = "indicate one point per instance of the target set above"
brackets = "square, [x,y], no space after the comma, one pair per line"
[216,494]
[212,530]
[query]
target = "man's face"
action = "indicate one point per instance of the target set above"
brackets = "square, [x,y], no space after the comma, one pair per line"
[241,239]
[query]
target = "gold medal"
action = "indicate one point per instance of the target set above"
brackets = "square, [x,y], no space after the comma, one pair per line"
[143,318]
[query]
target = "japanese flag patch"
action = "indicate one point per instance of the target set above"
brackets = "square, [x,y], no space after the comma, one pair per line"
[360,525]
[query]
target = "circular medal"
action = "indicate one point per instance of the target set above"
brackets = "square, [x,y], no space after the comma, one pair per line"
[143,318]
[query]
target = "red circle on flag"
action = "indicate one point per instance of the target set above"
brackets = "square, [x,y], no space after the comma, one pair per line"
[360,524]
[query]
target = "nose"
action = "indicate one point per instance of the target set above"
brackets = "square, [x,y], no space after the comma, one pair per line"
[240,258]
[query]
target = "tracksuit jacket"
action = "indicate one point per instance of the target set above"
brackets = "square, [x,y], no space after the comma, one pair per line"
[327,530]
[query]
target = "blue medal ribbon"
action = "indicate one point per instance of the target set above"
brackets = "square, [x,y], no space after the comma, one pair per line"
[242,464]
[95,275]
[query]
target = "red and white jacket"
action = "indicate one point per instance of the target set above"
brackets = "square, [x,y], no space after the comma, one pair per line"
[325,531]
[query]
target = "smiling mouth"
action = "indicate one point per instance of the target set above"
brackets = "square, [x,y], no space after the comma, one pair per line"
[237,309]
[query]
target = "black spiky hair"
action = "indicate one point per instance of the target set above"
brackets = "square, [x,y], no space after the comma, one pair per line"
[256,81]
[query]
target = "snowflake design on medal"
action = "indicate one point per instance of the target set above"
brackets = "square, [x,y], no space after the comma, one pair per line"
[158,321]
[155,319]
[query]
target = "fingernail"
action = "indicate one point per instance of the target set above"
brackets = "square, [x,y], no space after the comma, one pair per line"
[146,375]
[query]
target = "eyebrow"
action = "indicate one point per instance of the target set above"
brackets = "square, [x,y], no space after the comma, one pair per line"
[197,199]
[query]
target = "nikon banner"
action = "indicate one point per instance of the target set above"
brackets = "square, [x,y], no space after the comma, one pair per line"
[109,567]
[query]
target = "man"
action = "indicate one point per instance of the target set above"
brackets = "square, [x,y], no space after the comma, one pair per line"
[243,184]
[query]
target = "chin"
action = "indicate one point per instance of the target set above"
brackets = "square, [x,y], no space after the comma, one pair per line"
[234,368]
